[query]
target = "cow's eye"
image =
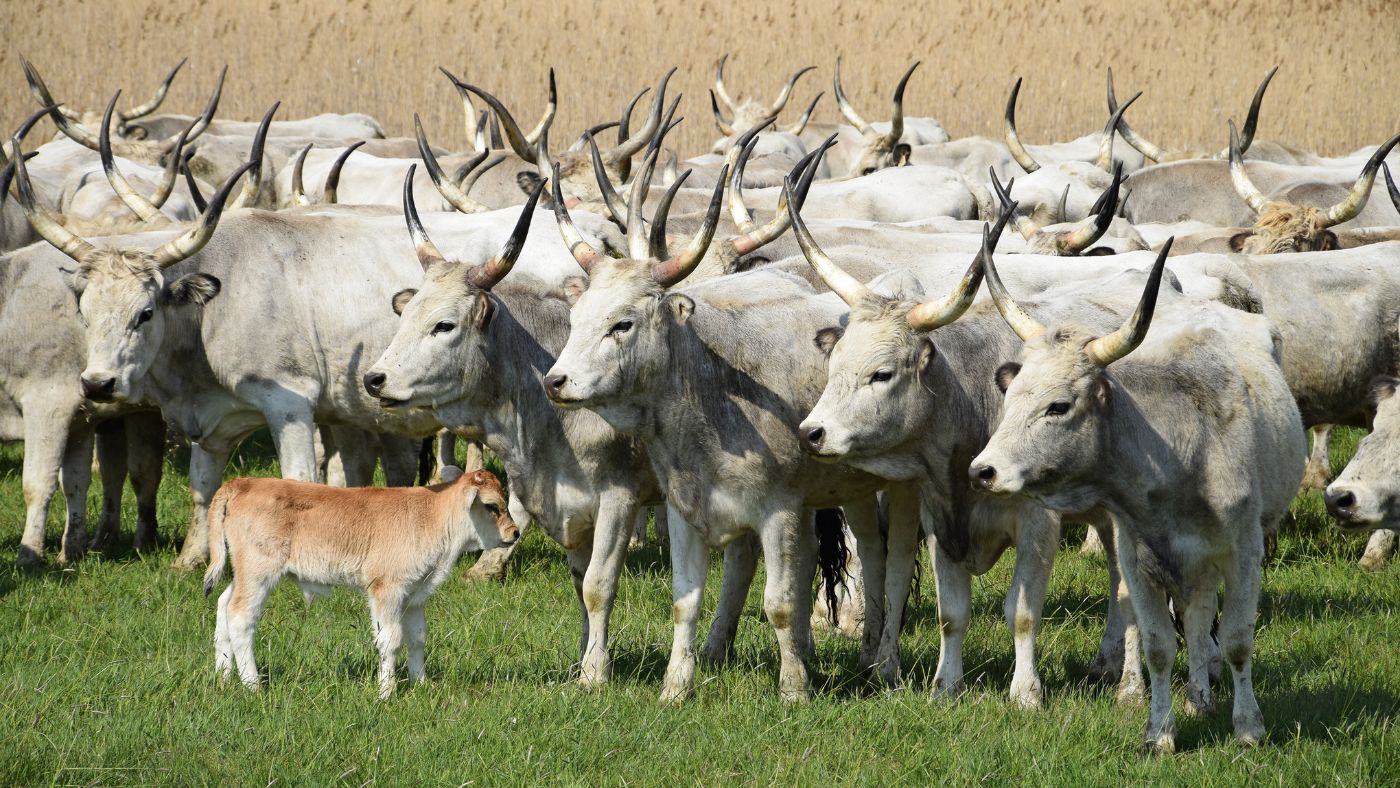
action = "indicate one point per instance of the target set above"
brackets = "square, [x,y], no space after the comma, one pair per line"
[1057,409]
[146,314]
[444,327]
[620,327]
[881,376]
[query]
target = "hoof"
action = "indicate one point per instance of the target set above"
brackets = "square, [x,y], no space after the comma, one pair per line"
[1107,671]
[1199,703]
[945,693]
[490,573]
[1027,695]
[189,563]
[29,558]
[675,696]
[1131,693]
[1373,563]
[1249,730]
[1162,745]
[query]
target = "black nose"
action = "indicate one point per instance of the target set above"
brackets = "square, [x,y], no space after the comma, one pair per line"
[99,389]
[982,476]
[1341,504]
[812,439]
[554,384]
[374,382]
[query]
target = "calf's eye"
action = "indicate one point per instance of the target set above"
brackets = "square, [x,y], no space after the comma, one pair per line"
[620,327]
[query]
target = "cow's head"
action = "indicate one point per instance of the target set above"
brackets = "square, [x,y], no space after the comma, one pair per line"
[1367,493]
[879,392]
[878,150]
[1281,226]
[1055,417]
[747,113]
[438,353]
[1072,241]
[123,293]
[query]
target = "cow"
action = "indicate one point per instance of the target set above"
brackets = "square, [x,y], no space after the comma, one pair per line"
[877,149]
[1366,495]
[122,123]
[398,544]
[1192,446]
[747,113]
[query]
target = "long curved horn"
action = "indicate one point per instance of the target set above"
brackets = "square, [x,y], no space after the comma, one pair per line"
[472,123]
[249,194]
[191,183]
[625,121]
[449,190]
[719,83]
[1251,121]
[1025,326]
[485,275]
[468,174]
[1361,190]
[617,207]
[724,127]
[1389,186]
[1244,187]
[850,289]
[801,124]
[330,189]
[933,314]
[298,189]
[786,93]
[1013,140]
[591,131]
[205,118]
[479,140]
[142,110]
[847,111]
[40,91]
[45,223]
[658,246]
[547,119]
[8,173]
[736,158]
[21,133]
[637,141]
[584,252]
[897,113]
[756,237]
[637,247]
[148,210]
[669,272]
[196,237]
[1105,159]
[514,136]
[1141,143]
[1072,242]
[1108,349]
[423,246]
[1023,224]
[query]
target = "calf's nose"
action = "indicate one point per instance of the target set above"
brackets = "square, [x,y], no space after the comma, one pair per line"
[101,389]
[374,382]
[982,476]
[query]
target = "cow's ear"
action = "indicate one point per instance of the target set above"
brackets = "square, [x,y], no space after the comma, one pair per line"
[1237,241]
[400,300]
[902,152]
[1382,388]
[1103,391]
[574,287]
[1328,242]
[1006,373]
[75,279]
[1098,251]
[193,289]
[680,306]
[927,353]
[827,338]
[483,310]
[527,181]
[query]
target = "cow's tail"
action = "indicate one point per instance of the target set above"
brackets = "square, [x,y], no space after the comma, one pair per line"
[832,554]
[218,549]
[427,461]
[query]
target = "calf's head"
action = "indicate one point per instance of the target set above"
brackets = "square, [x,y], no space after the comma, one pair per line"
[488,520]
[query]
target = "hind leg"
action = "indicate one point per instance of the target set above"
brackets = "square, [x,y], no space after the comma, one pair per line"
[387,612]
[1197,616]
[740,564]
[1242,586]
[223,644]
[206,474]
[244,608]
[901,553]
[112,469]
[76,476]
[145,451]
[1319,469]
[415,632]
[954,610]
[399,458]
[863,526]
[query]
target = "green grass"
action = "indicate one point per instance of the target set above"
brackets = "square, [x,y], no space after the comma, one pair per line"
[106,676]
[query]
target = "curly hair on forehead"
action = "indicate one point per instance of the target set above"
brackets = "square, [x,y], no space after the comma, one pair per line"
[1285,227]
[119,262]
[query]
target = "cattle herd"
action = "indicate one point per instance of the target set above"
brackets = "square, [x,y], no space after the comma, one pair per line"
[1158,332]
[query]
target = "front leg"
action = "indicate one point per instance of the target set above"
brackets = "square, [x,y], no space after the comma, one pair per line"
[1038,537]
[111,466]
[289,419]
[415,632]
[863,520]
[690,562]
[76,477]
[1197,615]
[206,474]
[145,446]
[578,558]
[901,551]
[610,536]
[740,563]
[789,556]
[954,609]
[1159,645]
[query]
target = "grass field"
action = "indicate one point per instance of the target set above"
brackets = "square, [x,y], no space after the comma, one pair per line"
[107,677]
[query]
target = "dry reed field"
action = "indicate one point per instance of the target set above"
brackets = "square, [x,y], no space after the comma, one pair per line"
[1197,60]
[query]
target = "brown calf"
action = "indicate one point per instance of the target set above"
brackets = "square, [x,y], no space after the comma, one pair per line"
[398,544]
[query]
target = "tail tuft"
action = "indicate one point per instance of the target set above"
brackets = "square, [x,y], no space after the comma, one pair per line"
[832,553]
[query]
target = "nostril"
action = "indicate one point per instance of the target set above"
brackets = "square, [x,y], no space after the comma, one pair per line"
[1341,501]
[98,389]
[555,383]
[815,436]
[374,382]
[986,473]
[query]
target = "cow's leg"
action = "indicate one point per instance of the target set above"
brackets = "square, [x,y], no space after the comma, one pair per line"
[112,469]
[861,535]
[1379,549]
[294,433]
[1319,470]
[245,607]
[1197,615]
[387,611]
[1159,641]
[954,610]
[446,454]
[663,529]
[415,632]
[901,551]
[1038,539]
[1242,585]
[206,474]
[223,644]
[76,477]
[577,559]
[639,531]
[145,447]
[350,456]
[45,439]
[789,559]
[399,457]
[1093,543]
[740,564]
[690,562]
[615,516]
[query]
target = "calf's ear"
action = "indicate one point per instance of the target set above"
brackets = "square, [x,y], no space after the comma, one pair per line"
[1328,242]
[1006,373]
[574,287]
[400,300]
[827,338]
[193,289]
